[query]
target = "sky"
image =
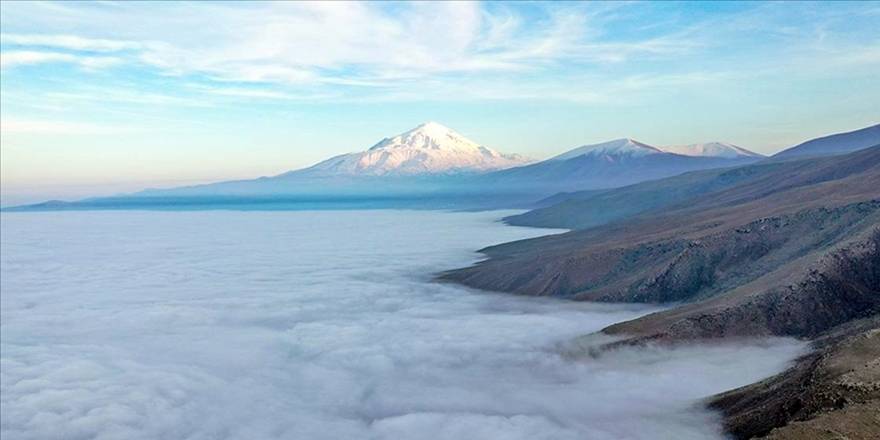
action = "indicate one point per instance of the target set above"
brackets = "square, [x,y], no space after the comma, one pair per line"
[98,98]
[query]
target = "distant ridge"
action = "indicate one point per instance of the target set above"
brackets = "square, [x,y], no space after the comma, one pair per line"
[834,144]
[608,164]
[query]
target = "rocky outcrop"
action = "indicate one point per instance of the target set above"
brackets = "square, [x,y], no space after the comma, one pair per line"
[793,253]
[674,269]
[723,261]
[802,301]
[831,393]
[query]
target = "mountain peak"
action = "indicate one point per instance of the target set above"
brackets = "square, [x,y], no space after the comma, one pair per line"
[616,147]
[431,127]
[427,135]
[712,149]
[429,148]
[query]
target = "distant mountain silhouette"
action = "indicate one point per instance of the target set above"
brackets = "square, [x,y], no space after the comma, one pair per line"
[834,144]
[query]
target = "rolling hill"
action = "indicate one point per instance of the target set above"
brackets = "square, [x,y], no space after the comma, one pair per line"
[834,144]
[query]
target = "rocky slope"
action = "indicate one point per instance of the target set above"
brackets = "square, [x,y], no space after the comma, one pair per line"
[792,253]
[707,188]
[586,209]
[804,299]
[830,393]
[788,250]
[699,248]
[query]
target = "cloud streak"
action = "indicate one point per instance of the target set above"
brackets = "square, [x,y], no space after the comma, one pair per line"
[369,51]
[308,43]
[28,57]
[70,42]
[49,127]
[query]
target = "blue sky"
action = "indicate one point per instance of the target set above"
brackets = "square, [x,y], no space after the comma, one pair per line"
[105,97]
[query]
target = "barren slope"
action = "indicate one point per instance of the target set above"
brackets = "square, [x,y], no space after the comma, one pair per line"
[830,393]
[739,252]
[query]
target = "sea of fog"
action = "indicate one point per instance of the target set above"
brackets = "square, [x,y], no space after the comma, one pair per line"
[318,325]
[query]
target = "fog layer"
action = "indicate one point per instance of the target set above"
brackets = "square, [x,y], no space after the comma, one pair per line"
[318,325]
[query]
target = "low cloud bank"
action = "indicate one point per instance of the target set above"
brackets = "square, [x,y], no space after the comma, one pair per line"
[242,325]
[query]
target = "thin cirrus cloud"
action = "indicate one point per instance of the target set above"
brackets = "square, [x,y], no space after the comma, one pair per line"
[70,42]
[533,78]
[377,52]
[354,51]
[42,126]
[349,44]
[28,57]
[312,42]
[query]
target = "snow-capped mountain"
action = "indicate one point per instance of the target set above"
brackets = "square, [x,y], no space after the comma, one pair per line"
[433,166]
[625,147]
[429,148]
[610,164]
[711,149]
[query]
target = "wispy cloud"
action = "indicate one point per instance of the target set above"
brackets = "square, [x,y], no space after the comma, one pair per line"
[55,127]
[259,93]
[71,42]
[342,43]
[29,57]
[122,96]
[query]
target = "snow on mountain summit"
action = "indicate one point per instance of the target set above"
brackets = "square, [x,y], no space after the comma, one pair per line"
[429,148]
[618,147]
[627,147]
[711,149]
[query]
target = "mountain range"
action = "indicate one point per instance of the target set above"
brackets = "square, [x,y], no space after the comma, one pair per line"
[432,166]
[612,164]
[432,156]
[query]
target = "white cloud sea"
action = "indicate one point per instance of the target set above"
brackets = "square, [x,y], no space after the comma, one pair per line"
[318,325]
